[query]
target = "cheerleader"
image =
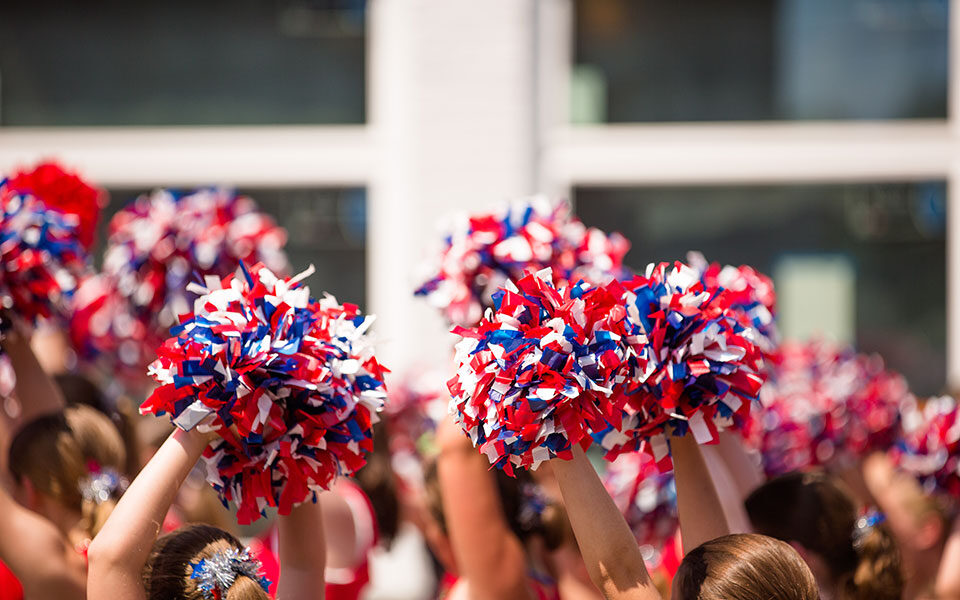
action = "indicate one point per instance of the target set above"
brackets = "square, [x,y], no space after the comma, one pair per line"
[197,561]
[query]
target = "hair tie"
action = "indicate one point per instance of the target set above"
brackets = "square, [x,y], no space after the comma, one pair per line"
[102,484]
[865,525]
[216,574]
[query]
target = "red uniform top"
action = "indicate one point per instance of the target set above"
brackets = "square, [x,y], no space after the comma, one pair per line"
[10,588]
[342,584]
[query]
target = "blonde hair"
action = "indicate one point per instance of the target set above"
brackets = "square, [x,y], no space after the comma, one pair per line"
[167,574]
[58,453]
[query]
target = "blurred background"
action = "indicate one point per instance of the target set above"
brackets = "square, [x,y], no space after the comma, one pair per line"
[816,140]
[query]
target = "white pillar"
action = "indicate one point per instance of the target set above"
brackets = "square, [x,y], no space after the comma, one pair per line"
[452,120]
[953,204]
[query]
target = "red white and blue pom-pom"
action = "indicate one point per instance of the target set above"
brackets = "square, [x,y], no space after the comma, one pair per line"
[749,292]
[41,253]
[65,193]
[530,376]
[697,366]
[157,245]
[292,384]
[825,405]
[484,251]
[647,498]
[930,446]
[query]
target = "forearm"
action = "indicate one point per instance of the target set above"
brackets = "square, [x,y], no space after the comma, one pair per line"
[947,584]
[36,390]
[609,549]
[746,472]
[698,504]
[488,555]
[128,535]
[302,554]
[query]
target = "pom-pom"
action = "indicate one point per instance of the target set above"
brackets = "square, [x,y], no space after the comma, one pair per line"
[157,245]
[65,193]
[292,382]
[531,374]
[930,446]
[749,294]
[697,366]
[41,254]
[486,250]
[825,405]
[647,498]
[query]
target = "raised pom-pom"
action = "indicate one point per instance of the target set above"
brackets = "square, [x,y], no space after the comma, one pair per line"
[531,374]
[930,446]
[292,382]
[825,405]
[41,254]
[697,366]
[65,193]
[484,251]
[157,245]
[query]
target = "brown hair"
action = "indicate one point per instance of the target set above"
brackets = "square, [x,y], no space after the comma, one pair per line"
[377,481]
[56,452]
[79,389]
[166,576]
[816,512]
[744,567]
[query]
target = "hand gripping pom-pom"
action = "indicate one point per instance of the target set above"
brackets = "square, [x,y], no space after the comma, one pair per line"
[696,367]
[292,383]
[486,250]
[530,375]
[930,445]
[157,245]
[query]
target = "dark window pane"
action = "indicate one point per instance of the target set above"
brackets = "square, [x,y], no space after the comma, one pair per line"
[759,59]
[233,62]
[325,228]
[892,236]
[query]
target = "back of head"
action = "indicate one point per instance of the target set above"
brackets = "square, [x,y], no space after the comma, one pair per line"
[816,512]
[64,455]
[744,567]
[78,389]
[172,571]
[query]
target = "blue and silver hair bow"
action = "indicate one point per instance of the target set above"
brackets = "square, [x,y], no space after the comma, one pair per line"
[865,525]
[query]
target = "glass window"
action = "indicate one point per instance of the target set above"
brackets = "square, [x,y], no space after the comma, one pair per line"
[703,60]
[215,62]
[878,248]
[325,227]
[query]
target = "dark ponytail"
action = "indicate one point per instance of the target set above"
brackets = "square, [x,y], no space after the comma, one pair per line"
[816,512]
[877,573]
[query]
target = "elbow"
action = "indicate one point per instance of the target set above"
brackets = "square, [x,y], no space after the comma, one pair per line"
[103,555]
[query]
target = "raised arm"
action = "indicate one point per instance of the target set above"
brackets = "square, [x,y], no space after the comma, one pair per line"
[35,393]
[302,553]
[488,554]
[698,505]
[947,585]
[119,552]
[608,547]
